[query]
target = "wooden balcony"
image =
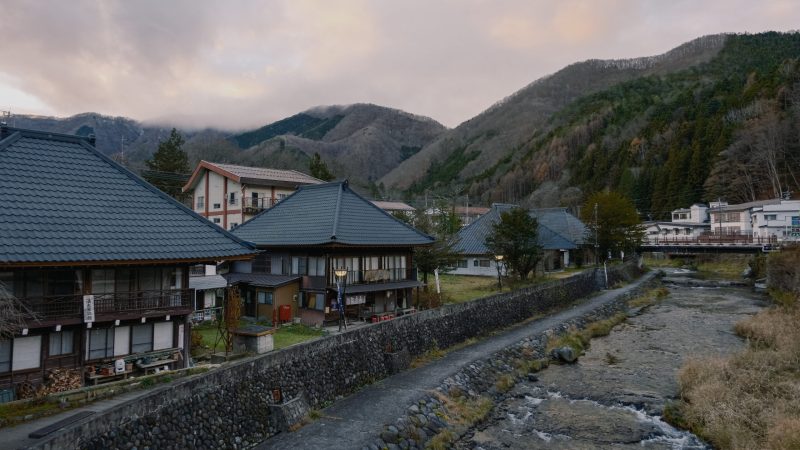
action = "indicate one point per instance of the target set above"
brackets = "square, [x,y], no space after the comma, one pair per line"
[256,205]
[376,276]
[118,305]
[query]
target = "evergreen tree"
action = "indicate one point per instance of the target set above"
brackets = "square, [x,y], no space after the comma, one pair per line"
[515,237]
[169,166]
[319,169]
[618,226]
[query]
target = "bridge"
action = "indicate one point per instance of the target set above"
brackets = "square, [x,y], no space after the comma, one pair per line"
[709,243]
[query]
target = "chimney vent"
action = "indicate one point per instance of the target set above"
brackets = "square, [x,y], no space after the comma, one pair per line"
[4,131]
[92,139]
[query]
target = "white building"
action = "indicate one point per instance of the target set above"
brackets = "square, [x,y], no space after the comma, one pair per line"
[228,195]
[687,225]
[735,220]
[781,220]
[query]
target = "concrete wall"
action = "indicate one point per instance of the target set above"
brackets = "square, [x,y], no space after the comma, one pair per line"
[229,407]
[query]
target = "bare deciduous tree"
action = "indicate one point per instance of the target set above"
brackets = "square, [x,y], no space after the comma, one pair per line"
[14,314]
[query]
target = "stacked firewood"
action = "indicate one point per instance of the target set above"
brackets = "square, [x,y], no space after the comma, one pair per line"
[59,380]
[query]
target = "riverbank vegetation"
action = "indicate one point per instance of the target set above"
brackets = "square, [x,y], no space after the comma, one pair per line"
[751,399]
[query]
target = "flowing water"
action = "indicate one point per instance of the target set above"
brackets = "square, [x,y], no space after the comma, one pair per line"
[613,397]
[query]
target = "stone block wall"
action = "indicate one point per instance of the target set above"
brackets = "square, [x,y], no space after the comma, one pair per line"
[230,407]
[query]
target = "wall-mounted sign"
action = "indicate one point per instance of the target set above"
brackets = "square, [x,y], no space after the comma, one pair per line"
[88,308]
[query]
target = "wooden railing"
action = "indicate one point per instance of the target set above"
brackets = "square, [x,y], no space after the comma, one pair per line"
[375,276]
[109,305]
[254,205]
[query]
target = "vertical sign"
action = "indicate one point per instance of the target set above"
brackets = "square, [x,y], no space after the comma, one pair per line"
[180,336]
[88,308]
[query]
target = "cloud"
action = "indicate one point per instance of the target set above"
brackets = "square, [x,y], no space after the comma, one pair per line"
[245,63]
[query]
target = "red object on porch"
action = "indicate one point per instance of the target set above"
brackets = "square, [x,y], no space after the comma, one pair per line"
[375,319]
[285,313]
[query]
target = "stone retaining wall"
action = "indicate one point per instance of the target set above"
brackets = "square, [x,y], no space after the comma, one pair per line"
[429,415]
[229,407]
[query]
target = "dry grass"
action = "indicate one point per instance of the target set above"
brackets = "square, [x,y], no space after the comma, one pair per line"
[461,411]
[648,298]
[750,400]
[430,355]
[579,339]
[505,383]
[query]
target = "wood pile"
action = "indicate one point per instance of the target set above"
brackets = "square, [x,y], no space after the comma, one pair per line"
[59,380]
[56,380]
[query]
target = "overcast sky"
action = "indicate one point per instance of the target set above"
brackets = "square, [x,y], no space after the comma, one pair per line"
[239,64]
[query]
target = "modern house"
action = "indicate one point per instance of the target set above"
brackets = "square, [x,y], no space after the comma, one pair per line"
[780,221]
[99,258]
[396,208]
[561,236]
[323,228]
[228,195]
[209,291]
[687,224]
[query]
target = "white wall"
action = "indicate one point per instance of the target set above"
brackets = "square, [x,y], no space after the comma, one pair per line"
[27,353]
[490,271]
[122,340]
[162,335]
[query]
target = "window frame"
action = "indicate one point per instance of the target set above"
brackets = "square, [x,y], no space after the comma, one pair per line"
[151,336]
[59,335]
[109,344]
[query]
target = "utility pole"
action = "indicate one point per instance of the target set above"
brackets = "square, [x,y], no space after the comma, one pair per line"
[596,243]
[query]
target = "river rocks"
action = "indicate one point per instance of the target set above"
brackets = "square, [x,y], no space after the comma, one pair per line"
[565,354]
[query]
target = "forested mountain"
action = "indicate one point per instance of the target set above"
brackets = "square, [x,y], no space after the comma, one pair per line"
[361,142]
[717,117]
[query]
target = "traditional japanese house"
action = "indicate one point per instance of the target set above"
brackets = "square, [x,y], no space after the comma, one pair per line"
[99,257]
[325,227]
[560,234]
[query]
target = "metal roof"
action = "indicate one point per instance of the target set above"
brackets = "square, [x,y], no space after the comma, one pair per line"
[558,230]
[377,287]
[260,279]
[65,202]
[328,214]
[393,206]
[207,282]
[252,175]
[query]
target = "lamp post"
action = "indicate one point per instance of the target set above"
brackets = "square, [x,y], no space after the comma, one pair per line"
[341,285]
[498,259]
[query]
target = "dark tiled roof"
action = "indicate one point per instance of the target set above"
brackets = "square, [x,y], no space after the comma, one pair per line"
[558,230]
[329,213]
[63,201]
[260,279]
[563,223]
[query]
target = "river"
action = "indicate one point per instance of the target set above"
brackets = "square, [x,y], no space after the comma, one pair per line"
[612,398]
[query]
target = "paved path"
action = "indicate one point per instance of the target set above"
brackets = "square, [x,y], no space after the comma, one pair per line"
[357,420]
[17,437]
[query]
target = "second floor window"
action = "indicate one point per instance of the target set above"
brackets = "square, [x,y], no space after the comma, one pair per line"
[232,198]
[201,202]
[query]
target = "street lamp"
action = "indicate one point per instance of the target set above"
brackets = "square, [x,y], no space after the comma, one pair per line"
[341,285]
[498,259]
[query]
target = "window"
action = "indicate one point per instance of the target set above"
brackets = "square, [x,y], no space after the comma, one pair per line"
[201,202]
[5,355]
[101,343]
[103,281]
[142,338]
[264,298]
[234,225]
[298,265]
[216,220]
[61,343]
[770,217]
[485,263]
[316,266]
[281,196]
[217,205]
[475,263]
[232,198]
[462,263]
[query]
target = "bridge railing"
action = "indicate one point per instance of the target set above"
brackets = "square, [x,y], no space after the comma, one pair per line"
[712,239]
